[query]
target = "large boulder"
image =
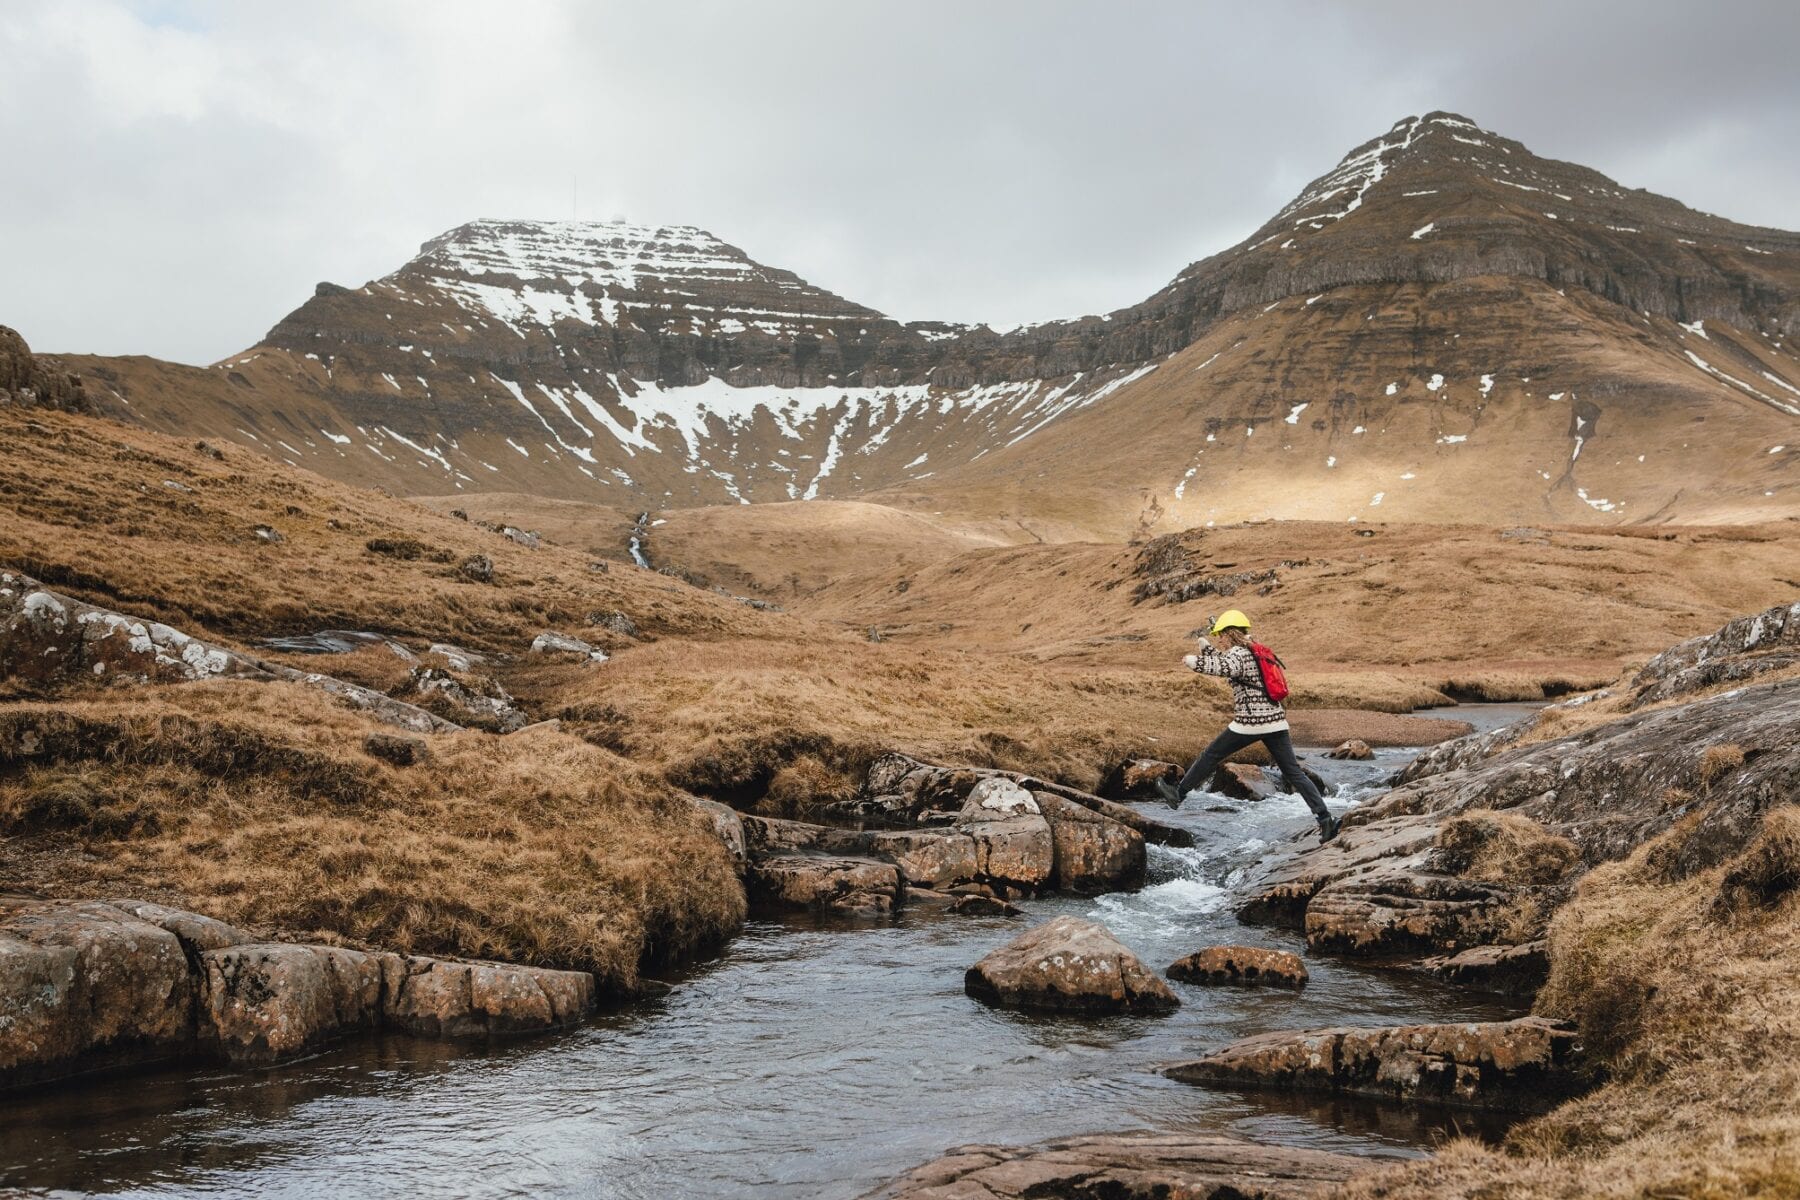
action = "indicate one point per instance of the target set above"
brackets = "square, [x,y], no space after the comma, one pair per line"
[1527,1065]
[1190,1165]
[85,987]
[267,1001]
[1012,837]
[439,997]
[1240,965]
[1070,965]
[1092,853]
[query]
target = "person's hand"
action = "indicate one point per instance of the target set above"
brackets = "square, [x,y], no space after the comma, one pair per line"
[1191,662]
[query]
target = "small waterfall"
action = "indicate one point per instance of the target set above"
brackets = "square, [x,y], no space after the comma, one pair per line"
[636,545]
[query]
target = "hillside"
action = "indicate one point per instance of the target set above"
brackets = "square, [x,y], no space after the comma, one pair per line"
[1445,327]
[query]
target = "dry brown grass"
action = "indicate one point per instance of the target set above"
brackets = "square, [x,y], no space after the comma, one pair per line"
[1716,762]
[1504,847]
[1683,988]
[255,803]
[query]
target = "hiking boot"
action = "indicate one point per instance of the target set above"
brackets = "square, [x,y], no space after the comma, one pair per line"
[1328,829]
[1165,791]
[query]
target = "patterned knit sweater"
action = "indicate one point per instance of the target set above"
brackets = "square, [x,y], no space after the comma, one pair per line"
[1251,709]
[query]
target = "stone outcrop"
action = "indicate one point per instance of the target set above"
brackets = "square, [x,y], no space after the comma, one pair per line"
[1255,965]
[1068,965]
[1385,887]
[1741,650]
[87,986]
[1127,1166]
[47,638]
[857,886]
[1527,1065]
[1511,970]
[29,382]
[551,642]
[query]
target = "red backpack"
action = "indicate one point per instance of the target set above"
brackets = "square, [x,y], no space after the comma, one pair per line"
[1274,678]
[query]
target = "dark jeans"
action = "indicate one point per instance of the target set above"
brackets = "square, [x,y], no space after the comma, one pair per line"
[1281,749]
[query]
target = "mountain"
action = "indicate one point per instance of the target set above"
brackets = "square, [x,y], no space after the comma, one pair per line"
[1443,327]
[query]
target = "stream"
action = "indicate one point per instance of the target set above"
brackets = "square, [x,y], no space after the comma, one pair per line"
[809,1059]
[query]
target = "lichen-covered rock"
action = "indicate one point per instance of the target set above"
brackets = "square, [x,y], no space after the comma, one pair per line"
[1527,1065]
[1396,910]
[1092,853]
[1240,965]
[1069,965]
[438,997]
[859,886]
[196,933]
[1128,1166]
[1012,837]
[86,987]
[1513,970]
[266,1001]
[551,642]
[1740,650]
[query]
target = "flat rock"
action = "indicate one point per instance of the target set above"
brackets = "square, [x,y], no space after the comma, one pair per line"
[85,987]
[1068,964]
[1513,970]
[1128,1166]
[438,997]
[1527,1065]
[1401,909]
[266,1001]
[825,882]
[1240,965]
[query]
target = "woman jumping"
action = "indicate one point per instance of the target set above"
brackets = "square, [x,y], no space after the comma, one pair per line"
[1257,716]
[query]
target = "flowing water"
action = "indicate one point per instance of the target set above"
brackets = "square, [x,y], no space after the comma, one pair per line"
[810,1059]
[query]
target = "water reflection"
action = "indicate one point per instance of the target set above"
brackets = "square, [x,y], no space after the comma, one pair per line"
[812,1059]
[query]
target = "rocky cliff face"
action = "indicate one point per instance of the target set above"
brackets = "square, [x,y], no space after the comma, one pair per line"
[655,367]
[26,381]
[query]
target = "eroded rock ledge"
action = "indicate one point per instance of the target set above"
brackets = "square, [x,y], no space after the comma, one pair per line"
[1127,1166]
[87,987]
[1528,1065]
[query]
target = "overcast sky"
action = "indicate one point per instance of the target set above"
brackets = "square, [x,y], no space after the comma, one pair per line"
[179,174]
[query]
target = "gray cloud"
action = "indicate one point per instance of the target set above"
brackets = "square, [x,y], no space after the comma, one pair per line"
[180,174]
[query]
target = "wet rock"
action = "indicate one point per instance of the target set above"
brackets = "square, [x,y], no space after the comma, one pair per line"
[1240,965]
[87,987]
[1527,1065]
[1356,750]
[477,568]
[1068,964]
[1091,853]
[1240,781]
[551,642]
[1511,970]
[1137,778]
[825,882]
[263,1002]
[1127,1166]
[1280,894]
[1399,910]
[984,906]
[930,858]
[1012,837]
[436,997]
[397,749]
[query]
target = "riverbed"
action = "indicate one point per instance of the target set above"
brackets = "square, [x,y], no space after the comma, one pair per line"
[810,1059]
